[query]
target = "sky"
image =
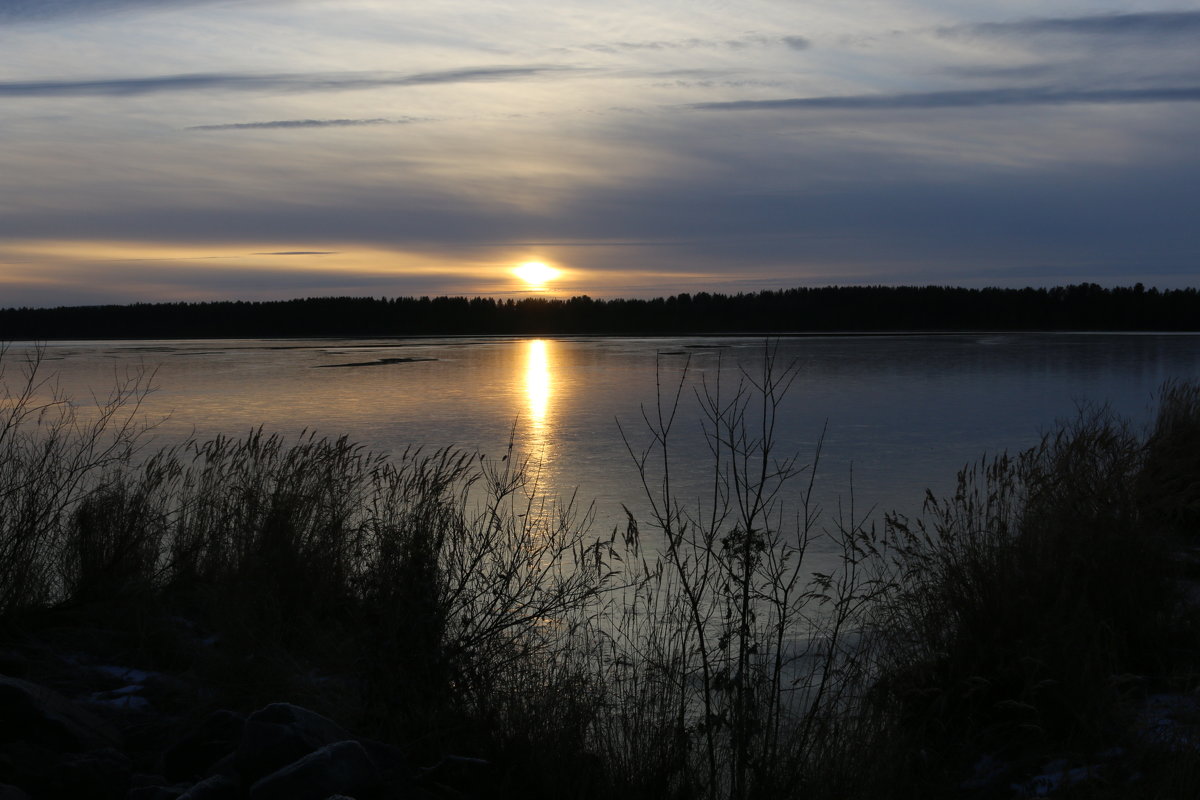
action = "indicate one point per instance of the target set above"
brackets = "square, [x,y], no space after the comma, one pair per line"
[155,150]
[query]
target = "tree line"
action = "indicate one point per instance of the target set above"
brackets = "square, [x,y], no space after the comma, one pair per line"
[1086,306]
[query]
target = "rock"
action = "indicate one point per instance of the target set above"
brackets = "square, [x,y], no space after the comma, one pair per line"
[218,787]
[340,768]
[33,713]
[99,774]
[194,754]
[226,766]
[460,773]
[156,793]
[10,792]
[31,766]
[391,761]
[280,734]
[102,774]
[13,662]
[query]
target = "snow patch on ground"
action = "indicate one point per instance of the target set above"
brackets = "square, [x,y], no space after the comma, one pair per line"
[1055,775]
[1171,721]
[123,701]
[128,697]
[126,673]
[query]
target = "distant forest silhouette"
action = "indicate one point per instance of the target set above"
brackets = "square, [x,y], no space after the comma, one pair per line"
[836,308]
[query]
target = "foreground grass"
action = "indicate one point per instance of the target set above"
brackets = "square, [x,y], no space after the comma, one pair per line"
[1034,610]
[440,601]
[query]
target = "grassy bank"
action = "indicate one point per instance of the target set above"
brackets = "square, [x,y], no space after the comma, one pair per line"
[441,602]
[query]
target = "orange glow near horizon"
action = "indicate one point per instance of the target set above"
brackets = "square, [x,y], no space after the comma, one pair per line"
[64,272]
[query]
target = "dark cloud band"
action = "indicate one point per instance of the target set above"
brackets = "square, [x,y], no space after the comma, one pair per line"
[297,123]
[742,43]
[41,10]
[297,82]
[965,99]
[1169,23]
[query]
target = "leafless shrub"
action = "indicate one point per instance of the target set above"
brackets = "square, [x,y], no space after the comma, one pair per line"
[749,658]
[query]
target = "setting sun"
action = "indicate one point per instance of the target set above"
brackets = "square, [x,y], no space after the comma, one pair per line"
[535,273]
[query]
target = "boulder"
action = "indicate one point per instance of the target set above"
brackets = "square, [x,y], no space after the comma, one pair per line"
[13,662]
[339,768]
[28,765]
[391,761]
[140,779]
[32,713]
[99,774]
[460,774]
[196,752]
[280,734]
[155,793]
[226,766]
[218,787]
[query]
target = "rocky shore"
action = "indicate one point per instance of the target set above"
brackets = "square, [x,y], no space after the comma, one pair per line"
[73,726]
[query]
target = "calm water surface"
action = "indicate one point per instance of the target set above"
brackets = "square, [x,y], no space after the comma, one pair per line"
[901,413]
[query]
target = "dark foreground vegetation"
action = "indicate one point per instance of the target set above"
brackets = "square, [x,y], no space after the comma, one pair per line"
[464,635]
[833,308]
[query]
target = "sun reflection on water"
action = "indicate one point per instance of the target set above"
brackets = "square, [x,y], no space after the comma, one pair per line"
[537,389]
[539,430]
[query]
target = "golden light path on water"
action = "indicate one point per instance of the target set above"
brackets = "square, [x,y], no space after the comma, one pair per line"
[538,383]
[539,428]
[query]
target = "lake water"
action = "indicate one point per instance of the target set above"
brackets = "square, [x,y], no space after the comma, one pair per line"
[900,413]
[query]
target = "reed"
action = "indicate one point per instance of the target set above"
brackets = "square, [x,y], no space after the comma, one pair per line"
[1169,484]
[1028,609]
[53,453]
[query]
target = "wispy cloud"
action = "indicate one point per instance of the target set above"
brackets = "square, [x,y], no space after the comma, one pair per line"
[738,43]
[42,10]
[295,82]
[1037,96]
[715,84]
[1162,23]
[991,72]
[298,123]
[299,253]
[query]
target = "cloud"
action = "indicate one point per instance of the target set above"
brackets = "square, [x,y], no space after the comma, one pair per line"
[713,84]
[299,253]
[1022,72]
[1033,96]
[296,82]
[298,123]
[740,43]
[40,10]
[1161,23]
